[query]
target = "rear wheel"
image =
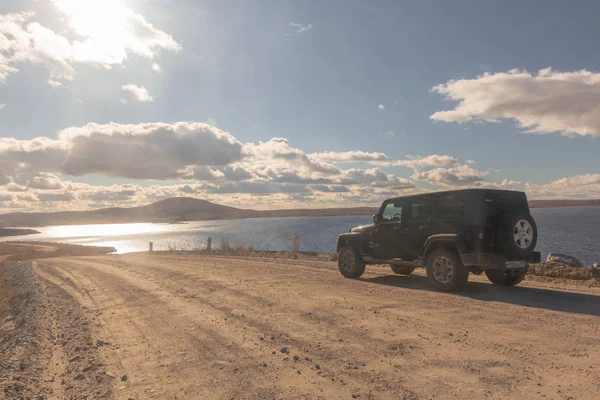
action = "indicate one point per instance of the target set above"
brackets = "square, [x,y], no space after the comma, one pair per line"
[506,277]
[446,271]
[400,270]
[350,263]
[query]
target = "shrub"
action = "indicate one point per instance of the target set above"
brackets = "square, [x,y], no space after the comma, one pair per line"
[225,246]
[240,248]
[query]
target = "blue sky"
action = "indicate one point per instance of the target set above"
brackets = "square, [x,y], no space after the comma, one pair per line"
[335,76]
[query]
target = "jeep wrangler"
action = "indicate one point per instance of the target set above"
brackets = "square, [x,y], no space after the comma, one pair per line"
[449,233]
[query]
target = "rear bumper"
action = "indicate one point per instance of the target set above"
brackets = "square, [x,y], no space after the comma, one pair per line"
[492,260]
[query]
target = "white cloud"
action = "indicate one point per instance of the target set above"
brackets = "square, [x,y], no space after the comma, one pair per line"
[348,156]
[146,151]
[56,197]
[212,164]
[25,41]
[140,93]
[461,175]
[565,102]
[579,186]
[301,28]
[381,107]
[54,84]
[156,67]
[45,181]
[2,105]
[36,155]
[433,160]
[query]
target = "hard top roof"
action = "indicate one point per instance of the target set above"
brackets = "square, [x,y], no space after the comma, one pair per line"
[456,191]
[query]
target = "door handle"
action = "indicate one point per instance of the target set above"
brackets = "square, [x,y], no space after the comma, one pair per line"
[397,228]
[421,227]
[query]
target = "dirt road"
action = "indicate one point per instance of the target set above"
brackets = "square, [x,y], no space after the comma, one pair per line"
[198,327]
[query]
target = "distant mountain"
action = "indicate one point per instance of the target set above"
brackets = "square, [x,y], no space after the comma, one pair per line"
[190,209]
[169,210]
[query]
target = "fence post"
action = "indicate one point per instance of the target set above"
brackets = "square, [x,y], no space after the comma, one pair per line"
[295,247]
[151,246]
[208,244]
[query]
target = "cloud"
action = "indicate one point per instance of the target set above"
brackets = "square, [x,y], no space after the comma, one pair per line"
[140,93]
[4,178]
[204,173]
[146,151]
[349,156]
[331,188]
[54,84]
[549,102]
[433,160]
[25,41]
[2,105]
[578,186]
[461,175]
[156,67]
[56,197]
[381,107]
[301,28]
[45,181]
[381,159]
[212,164]
[35,155]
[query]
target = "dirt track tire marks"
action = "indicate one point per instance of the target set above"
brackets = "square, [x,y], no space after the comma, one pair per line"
[213,327]
[51,345]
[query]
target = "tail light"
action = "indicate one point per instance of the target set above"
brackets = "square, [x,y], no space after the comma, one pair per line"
[480,233]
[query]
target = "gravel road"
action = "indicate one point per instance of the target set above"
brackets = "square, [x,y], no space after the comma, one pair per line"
[198,327]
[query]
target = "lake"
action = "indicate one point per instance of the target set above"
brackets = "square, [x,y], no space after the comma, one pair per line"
[571,230]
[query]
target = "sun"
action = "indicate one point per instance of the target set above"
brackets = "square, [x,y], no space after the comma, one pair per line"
[105,27]
[96,19]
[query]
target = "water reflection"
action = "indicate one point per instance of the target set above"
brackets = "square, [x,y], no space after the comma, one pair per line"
[86,231]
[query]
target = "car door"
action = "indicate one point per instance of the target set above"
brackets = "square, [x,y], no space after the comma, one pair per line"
[417,225]
[389,236]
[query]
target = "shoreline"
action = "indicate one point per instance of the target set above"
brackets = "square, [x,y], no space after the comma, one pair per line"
[9,232]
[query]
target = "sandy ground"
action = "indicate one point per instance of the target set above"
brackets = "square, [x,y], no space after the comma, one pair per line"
[199,327]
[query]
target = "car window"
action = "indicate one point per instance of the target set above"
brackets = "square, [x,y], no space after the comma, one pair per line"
[392,212]
[420,211]
[450,207]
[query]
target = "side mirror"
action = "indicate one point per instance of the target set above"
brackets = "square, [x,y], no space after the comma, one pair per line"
[376,218]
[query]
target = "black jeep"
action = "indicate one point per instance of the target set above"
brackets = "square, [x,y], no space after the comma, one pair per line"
[449,233]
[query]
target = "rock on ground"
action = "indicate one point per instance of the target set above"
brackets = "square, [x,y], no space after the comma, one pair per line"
[564,259]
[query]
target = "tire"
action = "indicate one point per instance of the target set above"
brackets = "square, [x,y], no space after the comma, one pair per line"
[517,235]
[350,263]
[445,270]
[506,277]
[400,270]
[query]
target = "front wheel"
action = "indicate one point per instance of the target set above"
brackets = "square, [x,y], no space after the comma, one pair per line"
[400,270]
[350,263]
[506,277]
[445,270]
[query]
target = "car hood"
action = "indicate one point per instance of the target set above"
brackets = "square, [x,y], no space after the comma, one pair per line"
[362,228]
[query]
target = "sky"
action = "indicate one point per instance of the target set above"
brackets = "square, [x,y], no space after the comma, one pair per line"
[284,104]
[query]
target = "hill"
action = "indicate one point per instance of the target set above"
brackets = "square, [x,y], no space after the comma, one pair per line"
[169,210]
[190,209]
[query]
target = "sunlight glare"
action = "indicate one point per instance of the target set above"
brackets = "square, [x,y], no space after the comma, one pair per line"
[103,23]
[103,230]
